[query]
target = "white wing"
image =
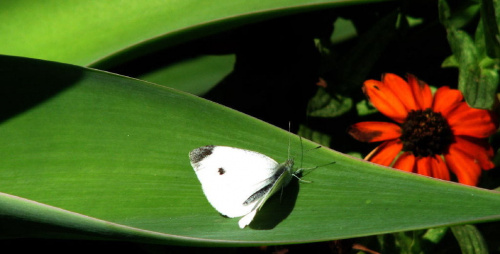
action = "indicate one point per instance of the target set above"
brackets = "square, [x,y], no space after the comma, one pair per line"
[230,176]
[281,178]
[245,221]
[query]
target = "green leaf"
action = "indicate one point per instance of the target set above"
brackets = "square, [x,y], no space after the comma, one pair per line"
[343,30]
[465,52]
[450,61]
[356,64]
[103,33]
[325,105]
[314,135]
[470,239]
[490,18]
[409,242]
[90,155]
[463,12]
[489,66]
[434,235]
[364,107]
[478,82]
[419,241]
[488,83]
[196,76]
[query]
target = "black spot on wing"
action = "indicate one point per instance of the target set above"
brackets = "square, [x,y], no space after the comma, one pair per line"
[200,153]
[221,171]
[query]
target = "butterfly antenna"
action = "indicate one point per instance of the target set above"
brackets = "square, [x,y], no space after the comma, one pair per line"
[289,139]
[302,151]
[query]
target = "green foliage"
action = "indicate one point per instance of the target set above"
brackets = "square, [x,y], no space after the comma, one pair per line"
[476,57]
[470,239]
[101,153]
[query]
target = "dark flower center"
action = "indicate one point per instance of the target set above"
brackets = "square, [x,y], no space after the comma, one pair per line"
[426,133]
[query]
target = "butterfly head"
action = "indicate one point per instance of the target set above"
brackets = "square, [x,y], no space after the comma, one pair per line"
[289,165]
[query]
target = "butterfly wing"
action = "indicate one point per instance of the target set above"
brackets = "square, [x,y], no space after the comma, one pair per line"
[234,180]
[281,178]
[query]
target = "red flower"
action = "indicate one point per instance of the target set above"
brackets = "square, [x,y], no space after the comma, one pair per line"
[434,135]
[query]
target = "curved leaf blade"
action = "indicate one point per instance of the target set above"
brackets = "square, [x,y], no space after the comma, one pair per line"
[105,32]
[114,150]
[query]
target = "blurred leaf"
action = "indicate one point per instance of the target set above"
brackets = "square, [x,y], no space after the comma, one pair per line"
[419,241]
[489,84]
[386,243]
[103,33]
[434,235]
[355,155]
[343,30]
[90,155]
[325,105]
[364,107]
[465,52]
[450,61]
[470,239]
[195,76]
[313,135]
[463,12]
[355,64]
[490,18]
[477,82]
[414,21]
[410,241]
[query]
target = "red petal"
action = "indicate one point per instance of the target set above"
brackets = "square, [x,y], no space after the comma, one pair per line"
[405,162]
[446,99]
[401,89]
[468,121]
[466,170]
[385,100]
[421,92]
[478,150]
[424,166]
[374,131]
[439,168]
[385,153]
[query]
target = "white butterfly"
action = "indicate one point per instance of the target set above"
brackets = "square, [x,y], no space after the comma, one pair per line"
[238,182]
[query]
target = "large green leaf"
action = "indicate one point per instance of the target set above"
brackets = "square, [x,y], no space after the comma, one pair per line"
[88,32]
[87,154]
